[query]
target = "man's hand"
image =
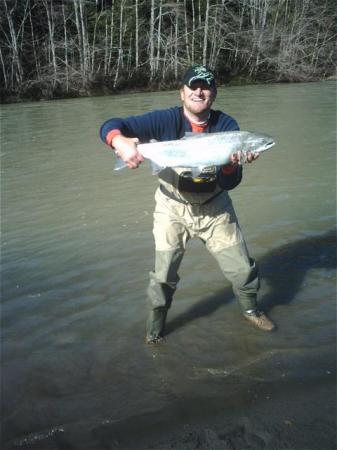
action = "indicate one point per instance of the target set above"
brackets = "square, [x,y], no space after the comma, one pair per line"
[239,157]
[126,149]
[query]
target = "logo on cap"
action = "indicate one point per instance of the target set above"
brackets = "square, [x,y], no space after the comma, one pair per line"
[199,73]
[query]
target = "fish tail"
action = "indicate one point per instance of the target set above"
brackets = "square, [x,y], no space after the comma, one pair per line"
[120,164]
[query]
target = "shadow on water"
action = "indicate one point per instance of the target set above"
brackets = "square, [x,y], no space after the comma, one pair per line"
[283,270]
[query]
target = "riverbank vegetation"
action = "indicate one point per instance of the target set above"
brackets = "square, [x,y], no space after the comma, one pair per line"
[63,48]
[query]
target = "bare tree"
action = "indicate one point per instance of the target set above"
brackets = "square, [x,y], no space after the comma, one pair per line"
[51,27]
[137,34]
[176,41]
[204,53]
[120,46]
[16,75]
[65,47]
[109,39]
[152,63]
[54,46]
[159,37]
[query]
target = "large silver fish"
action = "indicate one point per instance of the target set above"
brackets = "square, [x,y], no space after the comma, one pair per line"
[200,150]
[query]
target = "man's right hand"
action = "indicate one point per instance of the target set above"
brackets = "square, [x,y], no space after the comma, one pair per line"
[126,149]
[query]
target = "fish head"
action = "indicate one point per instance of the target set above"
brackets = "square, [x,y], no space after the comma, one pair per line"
[257,142]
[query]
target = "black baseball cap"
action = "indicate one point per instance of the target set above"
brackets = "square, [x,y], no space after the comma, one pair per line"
[199,73]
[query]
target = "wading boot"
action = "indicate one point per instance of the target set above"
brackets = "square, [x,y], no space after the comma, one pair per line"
[155,325]
[259,319]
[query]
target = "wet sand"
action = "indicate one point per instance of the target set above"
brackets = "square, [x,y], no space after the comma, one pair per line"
[296,416]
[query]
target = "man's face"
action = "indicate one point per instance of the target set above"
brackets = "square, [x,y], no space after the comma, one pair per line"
[198,98]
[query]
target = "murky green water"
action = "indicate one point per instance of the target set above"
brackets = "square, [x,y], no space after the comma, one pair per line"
[77,248]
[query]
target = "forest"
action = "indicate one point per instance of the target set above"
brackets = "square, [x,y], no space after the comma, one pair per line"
[68,48]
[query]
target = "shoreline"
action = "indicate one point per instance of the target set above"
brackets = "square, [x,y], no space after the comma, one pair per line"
[297,414]
[104,91]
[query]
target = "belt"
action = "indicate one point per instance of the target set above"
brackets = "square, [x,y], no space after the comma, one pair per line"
[185,202]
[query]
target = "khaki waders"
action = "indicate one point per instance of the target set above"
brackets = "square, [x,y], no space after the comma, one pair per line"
[215,223]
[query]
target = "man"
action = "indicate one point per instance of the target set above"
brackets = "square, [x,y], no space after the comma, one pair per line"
[189,207]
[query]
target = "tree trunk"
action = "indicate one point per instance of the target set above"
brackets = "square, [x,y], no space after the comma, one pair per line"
[50,21]
[152,41]
[188,56]
[159,34]
[85,42]
[17,71]
[176,42]
[3,70]
[120,48]
[204,53]
[79,34]
[65,48]
[193,32]
[109,54]
[137,35]
[36,59]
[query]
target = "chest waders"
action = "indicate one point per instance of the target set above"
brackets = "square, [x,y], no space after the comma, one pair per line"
[182,213]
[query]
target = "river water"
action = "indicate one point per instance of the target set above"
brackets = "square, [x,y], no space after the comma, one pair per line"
[77,247]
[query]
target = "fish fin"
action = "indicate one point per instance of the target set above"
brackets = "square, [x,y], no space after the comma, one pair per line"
[120,164]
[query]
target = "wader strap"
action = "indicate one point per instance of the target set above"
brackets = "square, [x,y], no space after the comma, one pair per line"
[184,202]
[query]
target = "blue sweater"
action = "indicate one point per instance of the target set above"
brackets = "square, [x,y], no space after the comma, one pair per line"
[170,124]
